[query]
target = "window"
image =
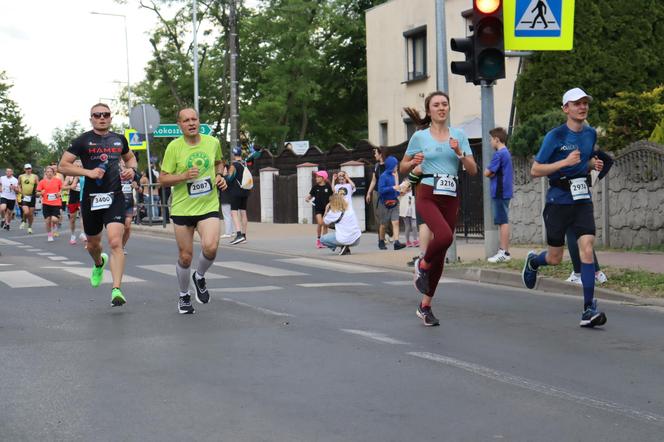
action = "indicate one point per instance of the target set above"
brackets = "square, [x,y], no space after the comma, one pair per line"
[383,133]
[416,53]
[410,127]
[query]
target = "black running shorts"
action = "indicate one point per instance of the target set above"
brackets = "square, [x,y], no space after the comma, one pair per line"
[95,220]
[558,218]
[192,221]
[49,211]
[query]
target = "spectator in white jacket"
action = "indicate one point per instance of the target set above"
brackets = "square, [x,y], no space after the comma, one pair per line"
[407,213]
[346,232]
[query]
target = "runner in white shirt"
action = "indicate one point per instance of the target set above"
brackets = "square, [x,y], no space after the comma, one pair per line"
[8,189]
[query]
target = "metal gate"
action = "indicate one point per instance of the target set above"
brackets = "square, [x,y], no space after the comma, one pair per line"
[285,199]
[470,221]
[254,201]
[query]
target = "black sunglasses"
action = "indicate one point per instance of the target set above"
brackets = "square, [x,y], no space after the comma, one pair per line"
[98,115]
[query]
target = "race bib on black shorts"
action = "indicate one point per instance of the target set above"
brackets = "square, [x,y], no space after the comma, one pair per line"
[101,200]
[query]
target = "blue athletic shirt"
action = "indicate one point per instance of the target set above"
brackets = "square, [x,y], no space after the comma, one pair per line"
[439,157]
[501,183]
[557,145]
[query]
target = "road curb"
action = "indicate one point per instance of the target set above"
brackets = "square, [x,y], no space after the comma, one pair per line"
[474,274]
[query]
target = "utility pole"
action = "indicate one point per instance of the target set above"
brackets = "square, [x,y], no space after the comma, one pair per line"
[488,123]
[195,25]
[232,48]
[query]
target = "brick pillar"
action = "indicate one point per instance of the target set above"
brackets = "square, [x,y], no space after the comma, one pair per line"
[305,172]
[267,193]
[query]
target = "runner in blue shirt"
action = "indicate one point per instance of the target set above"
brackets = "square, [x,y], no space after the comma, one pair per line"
[439,150]
[566,158]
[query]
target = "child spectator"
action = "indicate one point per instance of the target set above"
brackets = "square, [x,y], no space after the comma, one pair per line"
[320,195]
[343,185]
[407,213]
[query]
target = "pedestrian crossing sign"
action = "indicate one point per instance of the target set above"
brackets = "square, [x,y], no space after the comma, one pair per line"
[135,140]
[538,25]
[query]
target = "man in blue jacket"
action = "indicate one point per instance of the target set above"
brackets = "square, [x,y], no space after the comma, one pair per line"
[388,191]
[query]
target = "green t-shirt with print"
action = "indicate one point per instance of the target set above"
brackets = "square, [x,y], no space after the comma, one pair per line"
[197,196]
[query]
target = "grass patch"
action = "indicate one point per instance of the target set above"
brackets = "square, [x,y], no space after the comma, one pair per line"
[633,282]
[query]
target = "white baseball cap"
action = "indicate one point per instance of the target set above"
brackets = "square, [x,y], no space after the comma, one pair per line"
[575,94]
[27,166]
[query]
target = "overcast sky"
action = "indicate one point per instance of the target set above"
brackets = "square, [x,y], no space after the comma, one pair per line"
[61,59]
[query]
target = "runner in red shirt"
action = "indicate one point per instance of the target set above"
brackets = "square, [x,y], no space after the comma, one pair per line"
[49,189]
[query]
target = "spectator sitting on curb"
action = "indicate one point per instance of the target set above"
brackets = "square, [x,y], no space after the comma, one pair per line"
[388,189]
[340,217]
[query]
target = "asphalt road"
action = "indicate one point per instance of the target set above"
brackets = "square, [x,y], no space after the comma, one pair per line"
[299,350]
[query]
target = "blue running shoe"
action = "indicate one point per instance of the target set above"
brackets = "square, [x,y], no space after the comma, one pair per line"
[592,317]
[529,275]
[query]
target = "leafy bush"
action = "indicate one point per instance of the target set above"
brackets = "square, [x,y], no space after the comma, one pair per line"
[527,137]
[633,116]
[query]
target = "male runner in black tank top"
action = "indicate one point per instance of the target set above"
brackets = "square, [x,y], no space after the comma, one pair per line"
[103,203]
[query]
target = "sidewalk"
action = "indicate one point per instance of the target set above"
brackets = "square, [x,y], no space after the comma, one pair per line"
[300,239]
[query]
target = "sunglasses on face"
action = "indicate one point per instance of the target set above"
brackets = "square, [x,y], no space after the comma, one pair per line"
[98,115]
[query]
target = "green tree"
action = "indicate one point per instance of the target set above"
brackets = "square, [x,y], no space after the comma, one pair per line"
[13,132]
[616,48]
[527,137]
[633,117]
[61,138]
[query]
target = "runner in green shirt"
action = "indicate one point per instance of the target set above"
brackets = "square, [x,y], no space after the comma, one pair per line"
[192,166]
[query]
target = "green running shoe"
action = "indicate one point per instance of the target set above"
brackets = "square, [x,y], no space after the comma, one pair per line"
[98,272]
[117,298]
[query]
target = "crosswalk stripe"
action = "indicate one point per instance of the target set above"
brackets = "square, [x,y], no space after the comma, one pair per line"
[72,263]
[24,246]
[380,337]
[169,269]
[398,282]
[262,288]
[256,268]
[260,309]
[333,265]
[332,284]
[45,254]
[84,272]
[33,250]
[22,279]
[58,258]
[7,242]
[4,265]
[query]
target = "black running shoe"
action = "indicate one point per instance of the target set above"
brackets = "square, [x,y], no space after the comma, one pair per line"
[184,305]
[345,250]
[398,245]
[421,278]
[239,238]
[202,294]
[381,244]
[426,315]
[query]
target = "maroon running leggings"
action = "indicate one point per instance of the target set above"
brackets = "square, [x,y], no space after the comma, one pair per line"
[439,212]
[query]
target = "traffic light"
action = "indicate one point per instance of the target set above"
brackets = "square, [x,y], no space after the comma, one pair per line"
[488,40]
[465,68]
[467,46]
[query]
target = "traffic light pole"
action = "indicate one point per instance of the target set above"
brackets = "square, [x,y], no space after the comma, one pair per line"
[491,238]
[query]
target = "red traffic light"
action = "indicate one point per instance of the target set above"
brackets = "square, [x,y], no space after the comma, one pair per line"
[487,6]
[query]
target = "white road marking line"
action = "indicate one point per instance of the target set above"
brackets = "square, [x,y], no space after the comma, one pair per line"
[260,309]
[24,246]
[548,390]
[256,268]
[333,265]
[6,242]
[262,288]
[22,279]
[84,272]
[45,254]
[33,250]
[72,263]
[3,265]
[380,337]
[332,284]
[169,269]
[58,258]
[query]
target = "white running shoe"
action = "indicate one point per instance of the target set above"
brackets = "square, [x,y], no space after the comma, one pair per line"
[82,237]
[500,257]
[226,235]
[574,278]
[600,277]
